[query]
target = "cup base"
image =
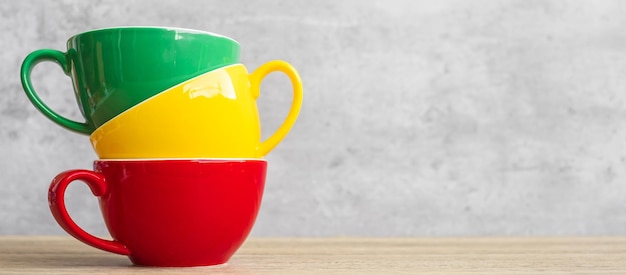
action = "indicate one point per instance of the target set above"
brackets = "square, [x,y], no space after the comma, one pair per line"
[179,263]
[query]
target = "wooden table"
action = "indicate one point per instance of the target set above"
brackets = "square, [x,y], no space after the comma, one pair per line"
[597,255]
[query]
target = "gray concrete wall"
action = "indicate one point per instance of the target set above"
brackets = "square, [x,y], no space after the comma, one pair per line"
[420,117]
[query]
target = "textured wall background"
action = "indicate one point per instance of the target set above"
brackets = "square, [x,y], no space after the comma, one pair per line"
[420,117]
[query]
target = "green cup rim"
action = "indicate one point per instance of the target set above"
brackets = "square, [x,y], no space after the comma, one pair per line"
[162,28]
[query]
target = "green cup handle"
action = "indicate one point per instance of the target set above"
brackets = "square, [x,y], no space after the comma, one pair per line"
[61,59]
[255,85]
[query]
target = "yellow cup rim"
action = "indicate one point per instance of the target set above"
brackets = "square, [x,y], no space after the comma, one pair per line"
[103,126]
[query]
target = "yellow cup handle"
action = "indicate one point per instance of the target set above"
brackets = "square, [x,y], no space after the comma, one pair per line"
[255,88]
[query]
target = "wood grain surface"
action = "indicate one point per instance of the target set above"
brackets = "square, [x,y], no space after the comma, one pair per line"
[558,255]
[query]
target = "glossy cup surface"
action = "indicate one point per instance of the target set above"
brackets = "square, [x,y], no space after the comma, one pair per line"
[211,116]
[114,69]
[169,212]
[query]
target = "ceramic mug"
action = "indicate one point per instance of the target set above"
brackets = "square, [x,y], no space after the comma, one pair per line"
[115,68]
[211,116]
[168,212]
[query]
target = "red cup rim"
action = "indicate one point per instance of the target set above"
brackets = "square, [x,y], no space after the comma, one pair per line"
[215,160]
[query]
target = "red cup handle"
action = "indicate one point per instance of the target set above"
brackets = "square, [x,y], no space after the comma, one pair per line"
[56,201]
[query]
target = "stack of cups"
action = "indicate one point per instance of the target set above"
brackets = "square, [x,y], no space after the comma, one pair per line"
[172,116]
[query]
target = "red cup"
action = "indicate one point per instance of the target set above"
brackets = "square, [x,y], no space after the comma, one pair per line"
[168,212]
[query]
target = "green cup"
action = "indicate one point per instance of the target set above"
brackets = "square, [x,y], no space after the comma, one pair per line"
[114,69]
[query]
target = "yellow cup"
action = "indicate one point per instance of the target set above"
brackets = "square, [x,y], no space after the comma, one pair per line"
[211,116]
